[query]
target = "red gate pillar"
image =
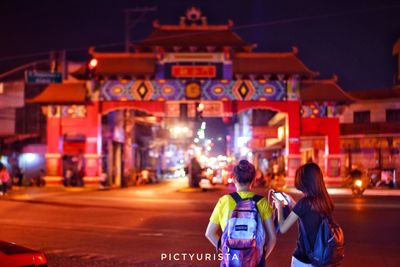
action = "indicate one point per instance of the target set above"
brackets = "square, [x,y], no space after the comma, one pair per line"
[293,158]
[93,144]
[330,128]
[332,150]
[53,155]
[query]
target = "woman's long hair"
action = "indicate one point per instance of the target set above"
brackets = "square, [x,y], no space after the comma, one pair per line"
[310,181]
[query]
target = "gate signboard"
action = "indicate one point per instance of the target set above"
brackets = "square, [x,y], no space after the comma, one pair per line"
[265,131]
[181,71]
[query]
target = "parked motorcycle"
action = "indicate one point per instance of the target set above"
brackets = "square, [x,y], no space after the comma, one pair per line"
[358,184]
[358,187]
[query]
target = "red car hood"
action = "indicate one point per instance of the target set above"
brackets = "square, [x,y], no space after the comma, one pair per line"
[14,255]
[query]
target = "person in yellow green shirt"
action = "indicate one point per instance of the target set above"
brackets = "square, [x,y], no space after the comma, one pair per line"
[244,173]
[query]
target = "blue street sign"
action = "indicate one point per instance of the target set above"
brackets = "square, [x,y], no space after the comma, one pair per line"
[43,77]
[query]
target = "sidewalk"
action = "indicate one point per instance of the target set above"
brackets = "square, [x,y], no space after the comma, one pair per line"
[169,187]
[31,192]
[347,191]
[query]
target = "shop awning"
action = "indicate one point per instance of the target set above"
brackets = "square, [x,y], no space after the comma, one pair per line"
[121,64]
[61,94]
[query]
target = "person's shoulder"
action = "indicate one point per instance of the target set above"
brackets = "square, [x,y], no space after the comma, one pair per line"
[225,198]
[303,200]
[260,199]
[302,205]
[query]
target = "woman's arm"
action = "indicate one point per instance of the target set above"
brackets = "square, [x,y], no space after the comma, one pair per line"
[213,233]
[269,226]
[285,224]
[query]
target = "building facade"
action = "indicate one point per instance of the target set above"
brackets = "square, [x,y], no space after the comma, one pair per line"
[370,133]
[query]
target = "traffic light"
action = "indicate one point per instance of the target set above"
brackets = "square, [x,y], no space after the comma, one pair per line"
[199,111]
[91,67]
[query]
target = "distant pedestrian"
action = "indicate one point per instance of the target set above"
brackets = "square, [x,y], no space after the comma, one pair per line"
[16,175]
[195,172]
[41,181]
[311,212]
[68,177]
[79,162]
[19,176]
[245,220]
[4,179]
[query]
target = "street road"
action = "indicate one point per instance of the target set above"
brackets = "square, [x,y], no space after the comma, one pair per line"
[138,226]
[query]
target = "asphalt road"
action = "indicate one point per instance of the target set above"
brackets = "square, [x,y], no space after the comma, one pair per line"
[139,226]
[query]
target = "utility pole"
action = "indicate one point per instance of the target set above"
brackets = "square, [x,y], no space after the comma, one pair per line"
[130,24]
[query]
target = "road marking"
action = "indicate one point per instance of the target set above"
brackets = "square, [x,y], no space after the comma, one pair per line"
[150,234]
[197,202]
[149,200]
[368,205]
[347,192]
[89,200]
[22,197]
[143,231]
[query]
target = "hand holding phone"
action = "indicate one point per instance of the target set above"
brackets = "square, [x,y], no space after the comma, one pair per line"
[281,197]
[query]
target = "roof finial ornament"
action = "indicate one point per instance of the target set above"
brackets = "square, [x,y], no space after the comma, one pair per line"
[335,78]
[91,50]
[193,17]
[295,50]
[156,24]
[193,14]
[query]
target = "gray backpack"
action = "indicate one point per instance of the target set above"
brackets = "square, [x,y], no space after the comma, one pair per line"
[243,239]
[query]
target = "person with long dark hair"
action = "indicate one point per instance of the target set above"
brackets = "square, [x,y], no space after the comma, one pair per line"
[316,202]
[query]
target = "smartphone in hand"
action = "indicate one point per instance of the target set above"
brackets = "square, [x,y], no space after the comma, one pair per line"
[281,197]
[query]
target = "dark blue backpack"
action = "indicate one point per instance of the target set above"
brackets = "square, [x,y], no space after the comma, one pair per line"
[328,245]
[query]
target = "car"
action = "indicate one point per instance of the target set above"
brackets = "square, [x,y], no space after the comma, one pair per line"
[13,255]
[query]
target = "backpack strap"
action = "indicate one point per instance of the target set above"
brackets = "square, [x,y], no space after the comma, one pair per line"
[257,198]
[236,197]
[306,243]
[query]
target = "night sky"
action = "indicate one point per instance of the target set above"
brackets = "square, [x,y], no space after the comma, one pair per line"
[352,39]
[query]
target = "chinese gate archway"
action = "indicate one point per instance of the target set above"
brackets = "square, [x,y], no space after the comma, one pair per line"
[211,65]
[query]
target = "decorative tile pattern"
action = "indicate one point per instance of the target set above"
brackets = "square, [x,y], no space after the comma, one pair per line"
[73,111]
[174,89]
[318,110]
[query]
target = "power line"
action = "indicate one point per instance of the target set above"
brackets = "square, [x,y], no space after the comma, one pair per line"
[24,56]
[239,27]
[307,18]
[68,50]
[12,71]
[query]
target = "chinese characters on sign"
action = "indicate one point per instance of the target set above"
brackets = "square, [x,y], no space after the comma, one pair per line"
[193,71]
[211,109]
[265,131]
